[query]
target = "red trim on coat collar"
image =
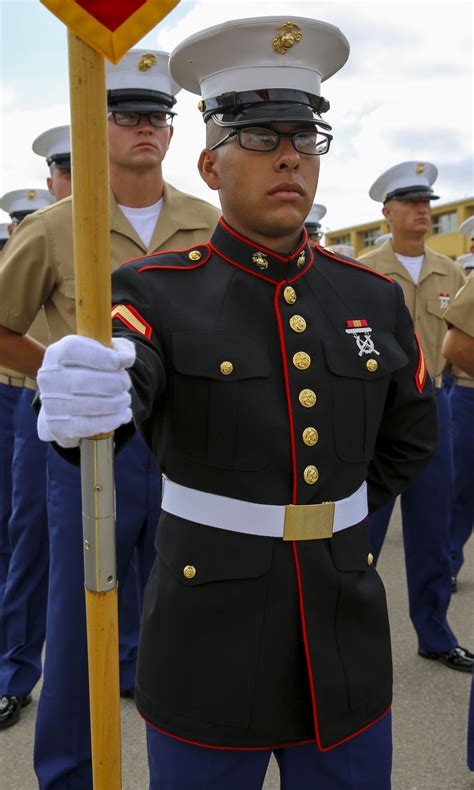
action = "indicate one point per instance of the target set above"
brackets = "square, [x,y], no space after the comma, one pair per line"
[254,244]
[239,266]
[236,249]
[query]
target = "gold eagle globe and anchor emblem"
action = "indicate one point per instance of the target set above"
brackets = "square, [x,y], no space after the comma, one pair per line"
[146,61]
[291,35]
[420,168]
[260,260]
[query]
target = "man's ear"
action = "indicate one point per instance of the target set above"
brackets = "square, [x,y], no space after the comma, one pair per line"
[49,182]
[387,212]
[171,133]
[208,170]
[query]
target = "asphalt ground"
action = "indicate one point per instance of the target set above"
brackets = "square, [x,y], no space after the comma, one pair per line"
[430,707]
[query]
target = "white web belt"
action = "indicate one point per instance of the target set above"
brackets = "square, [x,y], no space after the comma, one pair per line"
[290,522]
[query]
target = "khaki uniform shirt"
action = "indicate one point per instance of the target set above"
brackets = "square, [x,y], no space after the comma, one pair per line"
[38,267]
[440,280]
[461,315]
[38,331]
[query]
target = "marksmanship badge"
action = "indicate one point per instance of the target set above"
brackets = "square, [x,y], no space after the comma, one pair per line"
[361,332]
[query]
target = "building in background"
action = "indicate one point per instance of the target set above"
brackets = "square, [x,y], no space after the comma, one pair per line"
[444,238]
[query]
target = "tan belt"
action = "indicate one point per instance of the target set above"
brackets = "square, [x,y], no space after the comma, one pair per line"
[30,383]
[12,381]
[460,381]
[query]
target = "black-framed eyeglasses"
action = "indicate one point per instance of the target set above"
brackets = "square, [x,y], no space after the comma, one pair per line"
[158,119]
[311,142]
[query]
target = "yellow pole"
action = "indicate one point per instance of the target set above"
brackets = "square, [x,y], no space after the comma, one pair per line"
[93,311]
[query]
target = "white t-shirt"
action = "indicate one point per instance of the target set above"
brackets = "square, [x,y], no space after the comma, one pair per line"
[412,265]
[143,220]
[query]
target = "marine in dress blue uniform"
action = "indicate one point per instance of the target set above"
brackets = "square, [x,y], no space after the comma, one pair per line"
[141,97]
[24,523]
[429,281]
[462,416]
[283,394]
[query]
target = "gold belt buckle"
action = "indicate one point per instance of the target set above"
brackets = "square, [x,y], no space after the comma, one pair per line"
[309,522]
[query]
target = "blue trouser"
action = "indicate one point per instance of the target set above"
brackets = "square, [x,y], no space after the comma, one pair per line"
[462,416]
[361,763]
[23,615]
[8,400]
[62,754]
[426,507]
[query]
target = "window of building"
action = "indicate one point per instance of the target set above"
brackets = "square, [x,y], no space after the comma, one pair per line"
[369,236]
[444,223]
[345,239]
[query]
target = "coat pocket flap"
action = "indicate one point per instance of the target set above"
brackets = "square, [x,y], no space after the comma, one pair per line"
[224,356]
[198,554]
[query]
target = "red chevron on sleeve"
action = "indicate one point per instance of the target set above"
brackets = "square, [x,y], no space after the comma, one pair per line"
[129,316]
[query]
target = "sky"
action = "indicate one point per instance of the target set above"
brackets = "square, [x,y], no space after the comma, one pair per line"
[406,93]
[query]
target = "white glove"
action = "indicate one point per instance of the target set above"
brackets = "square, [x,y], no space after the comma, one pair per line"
[84,389]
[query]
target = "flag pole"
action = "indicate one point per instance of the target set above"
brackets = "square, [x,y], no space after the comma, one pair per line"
[90,178]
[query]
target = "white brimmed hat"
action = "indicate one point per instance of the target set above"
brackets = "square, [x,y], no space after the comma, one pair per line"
[21,202]
[406,181]
[467,228]
[343,249]
[467,260]
[262,69]
[312,221]
[382,239]
[141,82]
[55,146]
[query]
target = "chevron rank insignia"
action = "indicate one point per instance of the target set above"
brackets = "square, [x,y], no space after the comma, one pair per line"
[129,316]
[420,375]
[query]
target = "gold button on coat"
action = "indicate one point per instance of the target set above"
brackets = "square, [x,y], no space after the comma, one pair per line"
[189,571]
[194,255]
[370,559]
[372,365]
[310,436]
[289,295]
[226,368]
[307,398]
[311,475]
[301,360]
[297,323]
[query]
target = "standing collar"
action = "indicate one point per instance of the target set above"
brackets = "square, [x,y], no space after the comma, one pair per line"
[258,260]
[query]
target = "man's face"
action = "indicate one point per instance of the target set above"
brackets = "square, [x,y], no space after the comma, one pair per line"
[408,217]
[263,193]
[59,183]
[138,147]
